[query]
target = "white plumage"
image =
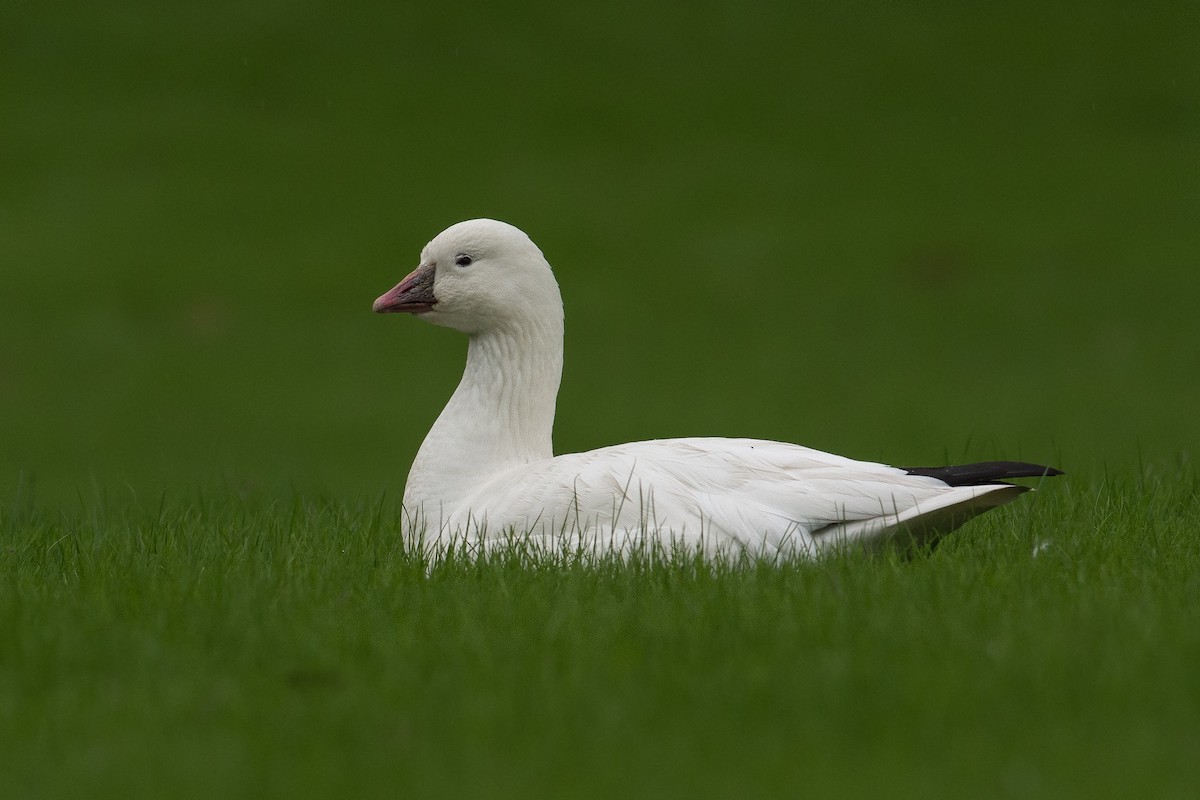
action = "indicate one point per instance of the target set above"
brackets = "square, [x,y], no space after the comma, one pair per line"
[486,470]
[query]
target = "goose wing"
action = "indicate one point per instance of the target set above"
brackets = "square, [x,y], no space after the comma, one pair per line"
[718,492]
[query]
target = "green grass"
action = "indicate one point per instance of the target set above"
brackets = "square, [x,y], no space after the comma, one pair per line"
[912,233]
[250,646]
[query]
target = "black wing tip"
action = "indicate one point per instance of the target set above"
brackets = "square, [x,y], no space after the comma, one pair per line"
[984,472]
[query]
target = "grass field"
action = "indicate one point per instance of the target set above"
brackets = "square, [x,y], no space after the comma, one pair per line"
[243,647]
[914,234]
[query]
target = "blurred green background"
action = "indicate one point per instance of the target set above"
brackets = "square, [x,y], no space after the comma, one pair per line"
[906,232]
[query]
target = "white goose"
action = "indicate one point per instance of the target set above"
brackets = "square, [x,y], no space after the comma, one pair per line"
[487,471]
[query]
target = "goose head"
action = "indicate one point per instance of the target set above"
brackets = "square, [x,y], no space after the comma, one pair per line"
[478,276]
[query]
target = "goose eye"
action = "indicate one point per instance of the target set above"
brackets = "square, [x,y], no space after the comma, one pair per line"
[463,260]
